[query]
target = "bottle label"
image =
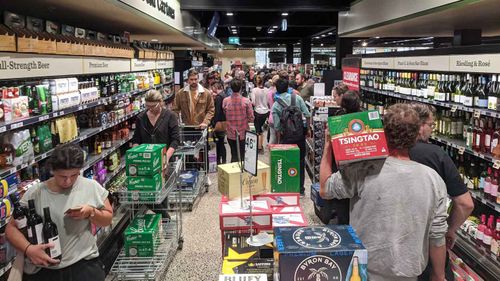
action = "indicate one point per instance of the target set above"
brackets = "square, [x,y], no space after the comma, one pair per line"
[467,101]
[494,190]
[479,235]
[56,250]
[487,140]
[478,140]
[492,103]
[481,183]
[482,103]
[487,187]
[494,247]
[487,239]
[21,223]
[494,143]
[39,233]
[462,99]
[458,99]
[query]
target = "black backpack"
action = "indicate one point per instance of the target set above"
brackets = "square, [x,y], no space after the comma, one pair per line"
[291,121]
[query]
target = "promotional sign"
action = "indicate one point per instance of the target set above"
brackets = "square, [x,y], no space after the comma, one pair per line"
[350,77]
[105,65]
[14,66]
[250,163]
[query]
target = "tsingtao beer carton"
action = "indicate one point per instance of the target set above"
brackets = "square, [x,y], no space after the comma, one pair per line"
[330,252]
[357,136]
[229,180]
[285,168]
[145,159]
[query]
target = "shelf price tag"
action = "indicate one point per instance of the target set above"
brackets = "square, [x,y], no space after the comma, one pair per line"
[496,164]
[461,150]
[477,113]
[16,125]
[3,129]
[43,118]
[454,108]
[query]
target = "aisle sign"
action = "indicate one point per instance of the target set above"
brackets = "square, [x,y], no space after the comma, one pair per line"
[377,63]
[434,63]
[350,76]
[162,64]
[487,63]
[141,65]
[250,164]
[14,65]
[105,65]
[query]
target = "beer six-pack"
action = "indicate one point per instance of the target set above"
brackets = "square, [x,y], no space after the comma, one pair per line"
[357,136]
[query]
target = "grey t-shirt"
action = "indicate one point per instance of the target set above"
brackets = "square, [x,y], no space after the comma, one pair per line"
[76,238]
[398,208]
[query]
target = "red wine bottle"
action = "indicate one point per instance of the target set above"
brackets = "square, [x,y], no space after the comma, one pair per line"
[35,225]
[51,235]
[20,215]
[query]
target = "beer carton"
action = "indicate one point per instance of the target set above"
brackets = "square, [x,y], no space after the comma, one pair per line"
[254,266]
[145,159]
[311,253]
[229,180]
[237,248]
[243,277]
[286,210]
[143,235]
[232,216]
[279,199]
[289,219]
[145,188]
[357,136]
[285,168]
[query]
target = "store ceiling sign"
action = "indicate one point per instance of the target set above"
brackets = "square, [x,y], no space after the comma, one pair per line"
[161,64]
[434,63]
[234,40]
[141,65]
[487,63]
[165,11]
[105,65]
[378,63]
[13,65]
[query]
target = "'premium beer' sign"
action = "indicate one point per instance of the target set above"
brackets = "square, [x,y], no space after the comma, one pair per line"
[105,65]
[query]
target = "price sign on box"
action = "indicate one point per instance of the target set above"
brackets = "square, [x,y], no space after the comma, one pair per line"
[250,164]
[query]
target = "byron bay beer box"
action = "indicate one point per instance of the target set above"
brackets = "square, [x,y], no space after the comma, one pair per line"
[285,167]
[145,159]
[229,180]
[279,199]
[357,136]
[330,252]
[232,216]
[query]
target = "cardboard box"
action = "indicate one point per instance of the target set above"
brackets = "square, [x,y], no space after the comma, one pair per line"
[331,250]
[279,199]
[16,108]
[145,188]
[229,180]
[243,277]
[145,159]
[143,235]
[357,136]
[232,216]
[285,168]
[254,266]
[286,210]
[315,197]
[288,220]
[237,248]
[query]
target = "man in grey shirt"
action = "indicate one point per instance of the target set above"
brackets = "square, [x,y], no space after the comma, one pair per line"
[398,207]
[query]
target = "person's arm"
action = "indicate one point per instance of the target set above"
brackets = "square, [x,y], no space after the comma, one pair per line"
[137,138]
[176,105]
[461,209]
[173,131]
[209,110]
[437,242]
[437,256]
[99,217]
[325,170]
[36,253]
[250,116]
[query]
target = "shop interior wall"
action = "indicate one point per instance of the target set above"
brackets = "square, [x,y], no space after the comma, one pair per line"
[366,13]
[228,57]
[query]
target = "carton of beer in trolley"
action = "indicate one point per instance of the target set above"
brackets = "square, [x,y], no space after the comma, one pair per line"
[357,136]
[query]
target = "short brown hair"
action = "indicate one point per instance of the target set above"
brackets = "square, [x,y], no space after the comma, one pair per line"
[192,72]
[153,96]
[259,81]
[401,126]
[340,89]
[424,111]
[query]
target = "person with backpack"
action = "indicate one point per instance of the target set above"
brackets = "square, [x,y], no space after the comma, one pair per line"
[289,112]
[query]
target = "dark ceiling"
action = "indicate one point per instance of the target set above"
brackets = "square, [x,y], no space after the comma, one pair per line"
[259,23]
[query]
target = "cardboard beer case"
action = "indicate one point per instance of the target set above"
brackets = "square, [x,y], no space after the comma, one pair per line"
[285,168]
[254,266]
[229,180]
[243,277]
[279,199]
[289,219]
[357,136]
[143,235]
[145,159]
[237,248]
[331,250]
[286,210]
[233,217]
[145,188]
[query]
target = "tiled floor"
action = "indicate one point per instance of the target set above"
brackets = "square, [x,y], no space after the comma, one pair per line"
[200,259]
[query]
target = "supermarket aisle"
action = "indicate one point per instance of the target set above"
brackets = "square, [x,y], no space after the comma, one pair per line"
[201,257]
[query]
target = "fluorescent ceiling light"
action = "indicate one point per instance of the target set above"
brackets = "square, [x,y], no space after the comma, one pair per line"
[284,14]
[364,44]
[229,14]
[378,37]
[275,26]
[269,31]
[321,44]
[323,35]
[317,37]
[232,26]
[330,33]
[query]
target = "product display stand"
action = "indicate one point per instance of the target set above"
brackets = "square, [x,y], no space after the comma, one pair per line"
[193,143]
[152,268]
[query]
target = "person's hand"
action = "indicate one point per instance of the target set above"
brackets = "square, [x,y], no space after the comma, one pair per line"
[38,256]
[327,137]
[81,214]
[437,277]
[451,237]
[203,126]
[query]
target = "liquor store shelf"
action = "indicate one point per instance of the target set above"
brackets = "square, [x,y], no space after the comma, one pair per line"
[6,267]
[4,127]
[84,134]
[460,145]
[120,168]
[477,257]
[453,106]
[479,196]
[120,219]
[92,160]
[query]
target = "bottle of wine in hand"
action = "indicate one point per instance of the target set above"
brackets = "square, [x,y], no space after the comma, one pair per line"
[51,235]
[20,215]
[35,225]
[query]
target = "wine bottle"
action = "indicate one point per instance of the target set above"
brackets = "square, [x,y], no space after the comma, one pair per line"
[468,99]
[481,98]
[495,241]
[19,215]
[480,230]
[492,98]
[488,233]
[51,235]
[35,225]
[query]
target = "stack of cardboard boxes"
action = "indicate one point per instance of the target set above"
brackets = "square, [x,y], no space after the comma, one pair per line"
[143,235]
[145,168]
